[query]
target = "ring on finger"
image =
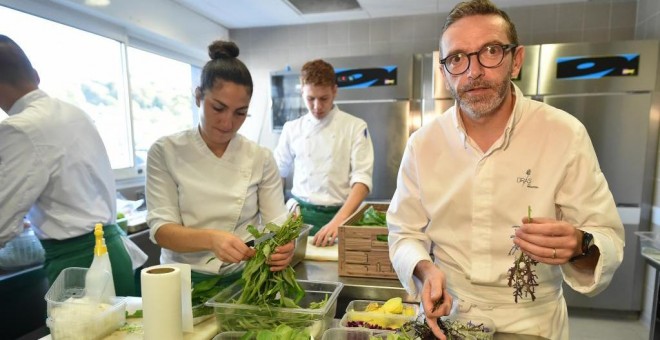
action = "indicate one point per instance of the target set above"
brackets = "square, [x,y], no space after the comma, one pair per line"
[554,253]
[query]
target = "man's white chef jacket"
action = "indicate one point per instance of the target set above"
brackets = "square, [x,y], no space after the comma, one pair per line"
[189,185]
[53,164]
[327,156]
[460,204]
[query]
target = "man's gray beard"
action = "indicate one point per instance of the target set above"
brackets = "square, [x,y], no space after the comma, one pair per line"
[481,107]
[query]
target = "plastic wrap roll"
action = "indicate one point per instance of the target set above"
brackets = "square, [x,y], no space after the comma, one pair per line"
[161,303]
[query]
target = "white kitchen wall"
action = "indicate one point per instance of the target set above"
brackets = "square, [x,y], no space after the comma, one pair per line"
[268,49]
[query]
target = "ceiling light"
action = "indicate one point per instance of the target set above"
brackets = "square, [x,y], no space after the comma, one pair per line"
[323,6]
[97,3]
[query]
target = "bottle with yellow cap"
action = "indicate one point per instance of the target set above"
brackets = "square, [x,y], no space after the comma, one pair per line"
[99,285]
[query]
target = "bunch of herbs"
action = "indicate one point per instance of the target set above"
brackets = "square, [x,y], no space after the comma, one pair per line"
[453,329]
[374,217]
[266,287]
[522,276]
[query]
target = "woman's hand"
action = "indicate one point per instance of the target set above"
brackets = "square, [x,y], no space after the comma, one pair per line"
[229,248]
[281,257]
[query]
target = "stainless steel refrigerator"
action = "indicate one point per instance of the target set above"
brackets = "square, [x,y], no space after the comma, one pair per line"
[612,88]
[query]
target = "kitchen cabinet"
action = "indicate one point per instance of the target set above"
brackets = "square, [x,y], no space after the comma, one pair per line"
[23,307]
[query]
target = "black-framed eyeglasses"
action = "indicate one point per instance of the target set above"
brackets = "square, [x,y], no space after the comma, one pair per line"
[489,56]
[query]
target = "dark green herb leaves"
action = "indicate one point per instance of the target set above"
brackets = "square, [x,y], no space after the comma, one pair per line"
[136,315]
[262,286]
[522,277]
[453,329]
[372,216]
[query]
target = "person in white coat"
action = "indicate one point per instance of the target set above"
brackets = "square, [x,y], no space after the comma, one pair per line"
[330,153]
[468,178]
[207,184]
[54,168]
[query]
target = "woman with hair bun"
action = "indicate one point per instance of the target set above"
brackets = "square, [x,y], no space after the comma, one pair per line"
[207,184]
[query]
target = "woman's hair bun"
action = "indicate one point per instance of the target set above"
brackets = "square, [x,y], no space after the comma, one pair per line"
[220,49]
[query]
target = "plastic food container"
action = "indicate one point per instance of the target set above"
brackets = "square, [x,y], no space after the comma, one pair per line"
[229,336]
[483,327]
[348,334]
[236,335]
[22,251]
[356,316]
[123,223]
[231,316]
[71,315]
[650,243]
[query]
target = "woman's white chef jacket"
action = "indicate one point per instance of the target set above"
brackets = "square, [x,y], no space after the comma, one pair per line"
[460,204]
[327,156]
[53,164]
[188,185]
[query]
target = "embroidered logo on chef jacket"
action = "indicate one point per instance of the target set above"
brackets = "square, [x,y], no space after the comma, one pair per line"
[526,180]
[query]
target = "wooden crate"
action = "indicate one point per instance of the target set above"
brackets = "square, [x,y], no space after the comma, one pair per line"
[361,254]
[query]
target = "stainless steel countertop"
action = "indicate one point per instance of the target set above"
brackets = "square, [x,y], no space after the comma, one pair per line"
[357,288]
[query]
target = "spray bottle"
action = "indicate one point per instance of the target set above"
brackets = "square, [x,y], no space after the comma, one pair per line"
[99,285]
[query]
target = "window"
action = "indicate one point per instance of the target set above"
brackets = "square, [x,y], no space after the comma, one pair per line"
[161,98]
[90,78]
[93,72]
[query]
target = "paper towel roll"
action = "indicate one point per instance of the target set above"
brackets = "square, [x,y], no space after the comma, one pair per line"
[161,303]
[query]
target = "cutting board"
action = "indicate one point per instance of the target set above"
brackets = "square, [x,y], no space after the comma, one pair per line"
[315,253]
[205,330]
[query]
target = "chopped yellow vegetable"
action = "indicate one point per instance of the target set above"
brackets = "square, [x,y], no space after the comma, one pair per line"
[393,306]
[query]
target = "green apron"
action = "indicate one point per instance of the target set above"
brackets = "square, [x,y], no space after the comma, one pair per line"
[79,252]
[316,215]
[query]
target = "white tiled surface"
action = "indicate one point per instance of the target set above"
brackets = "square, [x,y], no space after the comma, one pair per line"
[589,327]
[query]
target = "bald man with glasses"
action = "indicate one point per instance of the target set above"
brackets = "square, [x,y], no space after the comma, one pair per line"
[469,178]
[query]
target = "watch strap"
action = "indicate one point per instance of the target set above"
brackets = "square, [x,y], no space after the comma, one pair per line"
[587,243]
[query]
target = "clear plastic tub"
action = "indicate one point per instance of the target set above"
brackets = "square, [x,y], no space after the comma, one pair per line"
[72,315]
[348,334]
[236,335]
[231,316]
[357,316]
[229,336]
[650,241]
[481,328]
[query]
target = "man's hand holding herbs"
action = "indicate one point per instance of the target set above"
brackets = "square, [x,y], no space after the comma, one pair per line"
[229,248]
[282,257]
[547,240]
[435,299]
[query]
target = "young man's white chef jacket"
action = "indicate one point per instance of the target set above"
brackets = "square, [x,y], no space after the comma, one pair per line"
[189,185]
[460,204]
[53,164]
[327,156]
